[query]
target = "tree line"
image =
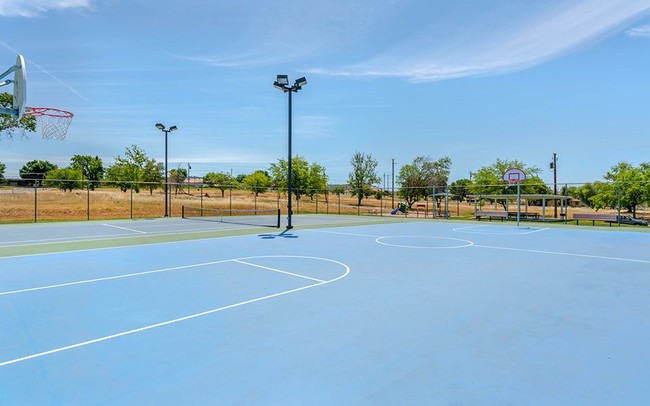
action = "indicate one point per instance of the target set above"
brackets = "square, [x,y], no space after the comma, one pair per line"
[625,185]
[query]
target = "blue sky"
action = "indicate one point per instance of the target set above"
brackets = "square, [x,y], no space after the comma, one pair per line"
[471,80]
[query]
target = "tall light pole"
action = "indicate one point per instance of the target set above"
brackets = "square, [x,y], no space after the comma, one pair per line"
[392,193]
[162,128]
[282,83]
[554,167]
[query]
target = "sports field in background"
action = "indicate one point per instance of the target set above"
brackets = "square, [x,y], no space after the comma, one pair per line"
[339,310]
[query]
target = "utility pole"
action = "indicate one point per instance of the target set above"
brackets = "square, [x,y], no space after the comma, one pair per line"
[554,167]
[393,186]
[188,177]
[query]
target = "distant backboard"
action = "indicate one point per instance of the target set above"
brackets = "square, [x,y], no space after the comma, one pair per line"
[20,86]
[514,175]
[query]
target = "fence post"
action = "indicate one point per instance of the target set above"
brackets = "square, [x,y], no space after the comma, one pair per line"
[88,201]
[35,200]
[316,204]
[618,218]
[339,203]
[131,201]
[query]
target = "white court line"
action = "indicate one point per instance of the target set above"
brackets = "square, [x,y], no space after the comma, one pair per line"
[108,237]
[42,241]
[277,270]
[342,233]
[137,330]
[124,228]
[192,316]
[108,278]
[469,230]
[642,261]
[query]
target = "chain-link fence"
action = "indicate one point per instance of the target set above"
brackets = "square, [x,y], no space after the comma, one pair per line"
[24,200]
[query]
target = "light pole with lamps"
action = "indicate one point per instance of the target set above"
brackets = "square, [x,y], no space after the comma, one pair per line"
[282,83]
[162,128]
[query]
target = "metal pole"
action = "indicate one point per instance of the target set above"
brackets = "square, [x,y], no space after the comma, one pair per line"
[555,184]
[339,195]
[88,201]
[289,213]
[393,185]
[35,200]
[518,202]
[166,178]
[618,218]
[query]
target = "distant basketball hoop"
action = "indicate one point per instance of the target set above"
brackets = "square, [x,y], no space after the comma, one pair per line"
[54,123]
[514,175]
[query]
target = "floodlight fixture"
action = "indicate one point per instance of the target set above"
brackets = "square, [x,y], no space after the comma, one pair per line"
[160,126]
[282,80]
[300,82]
[173,128]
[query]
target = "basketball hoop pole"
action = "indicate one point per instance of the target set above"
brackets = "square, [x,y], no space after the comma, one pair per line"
[518,202]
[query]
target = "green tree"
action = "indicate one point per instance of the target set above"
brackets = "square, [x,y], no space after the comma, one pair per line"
[36,169]
[626,184]
[177,177]
[91,168]
[488,180]
[258,181]
[362,176]
[8,124]
[584,192]
[418,178]
[317,183]
[220,180]
[338,190]
[459,189]
[153,175]
[130,171]
[64,178]
[300,175]
[3,167]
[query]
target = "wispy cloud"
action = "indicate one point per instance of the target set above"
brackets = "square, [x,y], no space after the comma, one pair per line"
[62,83]
[641,32]
[498,40]
[35,8]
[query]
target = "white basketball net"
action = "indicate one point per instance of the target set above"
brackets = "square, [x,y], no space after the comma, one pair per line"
[54,123]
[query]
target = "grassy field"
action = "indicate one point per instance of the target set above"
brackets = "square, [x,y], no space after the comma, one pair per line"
[49,204]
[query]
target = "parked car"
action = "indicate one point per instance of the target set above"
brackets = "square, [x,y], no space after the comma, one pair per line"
[632,220]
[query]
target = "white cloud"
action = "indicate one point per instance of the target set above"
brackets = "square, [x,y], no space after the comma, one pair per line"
[498,40]
[34,8]
[641,32]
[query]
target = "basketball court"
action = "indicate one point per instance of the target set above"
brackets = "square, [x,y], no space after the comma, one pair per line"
[339,309]
[414,312]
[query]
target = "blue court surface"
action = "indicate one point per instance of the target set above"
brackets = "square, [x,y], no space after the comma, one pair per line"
[388,313]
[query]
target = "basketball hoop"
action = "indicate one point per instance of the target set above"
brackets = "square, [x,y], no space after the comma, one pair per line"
[514,176]
[54,122]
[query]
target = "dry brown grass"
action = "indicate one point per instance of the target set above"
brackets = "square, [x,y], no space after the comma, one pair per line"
[18,204]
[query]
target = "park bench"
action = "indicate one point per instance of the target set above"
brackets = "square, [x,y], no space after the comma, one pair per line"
[609,218]
[374,211]
[490,214]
